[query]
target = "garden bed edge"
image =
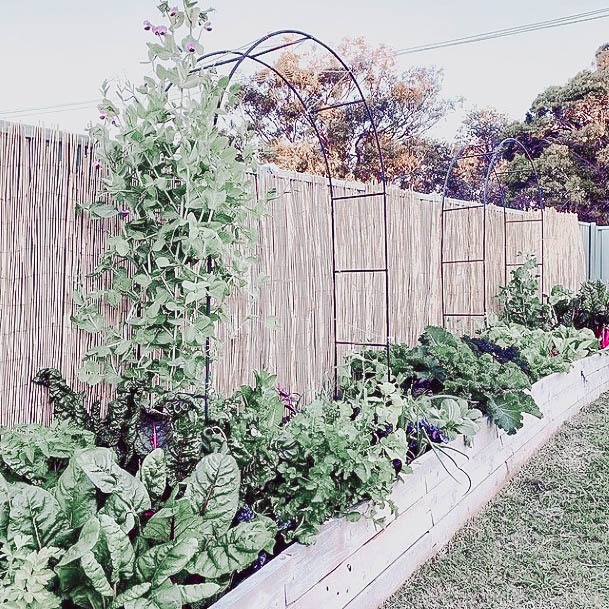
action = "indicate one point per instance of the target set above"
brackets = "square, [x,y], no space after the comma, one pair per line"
[358,565]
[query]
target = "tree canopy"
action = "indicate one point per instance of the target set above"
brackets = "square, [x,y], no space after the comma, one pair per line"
[404,106]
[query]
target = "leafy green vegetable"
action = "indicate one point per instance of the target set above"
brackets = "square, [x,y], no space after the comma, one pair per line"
[25,575]
[520,299]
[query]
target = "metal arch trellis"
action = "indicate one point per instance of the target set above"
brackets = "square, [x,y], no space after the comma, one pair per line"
[506,145]
[464,153]
[493,157]
[253,53]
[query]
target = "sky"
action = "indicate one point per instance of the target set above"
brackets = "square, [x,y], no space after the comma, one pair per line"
[58,52]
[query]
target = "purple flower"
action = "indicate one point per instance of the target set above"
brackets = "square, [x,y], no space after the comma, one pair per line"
[160,30]
[207,26]
[190,46]
[147,25]
[173,11]
[124,213]
[102,116]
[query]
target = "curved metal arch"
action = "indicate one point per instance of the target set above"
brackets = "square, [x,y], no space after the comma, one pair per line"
[252,54]
[498,152]
[481,259]
[496,155]
[493,157]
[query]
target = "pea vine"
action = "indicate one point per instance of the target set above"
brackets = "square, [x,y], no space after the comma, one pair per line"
[179,187]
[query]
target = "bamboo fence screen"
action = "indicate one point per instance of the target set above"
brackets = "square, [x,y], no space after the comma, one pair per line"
[46,248]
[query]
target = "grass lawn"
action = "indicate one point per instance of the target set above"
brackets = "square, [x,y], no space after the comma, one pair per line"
[543,543]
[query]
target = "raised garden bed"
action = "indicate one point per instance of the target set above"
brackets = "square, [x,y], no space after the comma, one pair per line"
[358,565]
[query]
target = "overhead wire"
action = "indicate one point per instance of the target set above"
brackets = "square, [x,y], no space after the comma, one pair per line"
[490,35]
[513,31]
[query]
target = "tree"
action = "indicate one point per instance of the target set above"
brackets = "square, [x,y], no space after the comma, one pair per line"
[404,107]
[566,131]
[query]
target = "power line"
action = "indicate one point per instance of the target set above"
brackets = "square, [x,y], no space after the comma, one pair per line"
[521,29]
[513,31]
[34,110]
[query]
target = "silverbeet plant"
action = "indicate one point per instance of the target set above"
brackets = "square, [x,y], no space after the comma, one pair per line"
[104,539]
[180,192]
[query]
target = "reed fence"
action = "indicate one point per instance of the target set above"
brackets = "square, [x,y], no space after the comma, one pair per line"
[46,248]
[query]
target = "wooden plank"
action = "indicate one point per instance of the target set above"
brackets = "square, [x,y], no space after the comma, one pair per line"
[262,590]
[344,583]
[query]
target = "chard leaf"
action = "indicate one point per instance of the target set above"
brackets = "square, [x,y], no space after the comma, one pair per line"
[94,571]
[213,490]
[154,473]
[99,465]
[126,598]
[159,563]
[75,494]
[166,596]
[122,556]
[34,512]
[89,535]
[234,550]
[198,592]
[128,495]
[176,522]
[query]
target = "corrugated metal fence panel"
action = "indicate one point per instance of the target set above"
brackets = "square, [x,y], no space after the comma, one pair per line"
[596,247]
[586,232]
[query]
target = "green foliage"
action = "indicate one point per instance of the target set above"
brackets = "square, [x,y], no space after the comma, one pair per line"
[319,463]
[131,427]
[520,298]
[111,548]
[331,461]
[186,204]
[36,453]
[25,575]
[590,306]
[453,416]
[560,299]
[545,352]
[449,362]
[252,421]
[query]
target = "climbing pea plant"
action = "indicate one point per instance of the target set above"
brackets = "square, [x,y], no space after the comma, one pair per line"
[179,189]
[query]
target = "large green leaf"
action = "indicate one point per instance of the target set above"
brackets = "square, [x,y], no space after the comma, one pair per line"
[126,598]
[36,513]
[159,563]
[89,535]
[198,592]
[506,410]
[76,496]
[95,572]
[154,473]
[99,465]
[213,489]
[176,522]
[128,496]
[166,596]
[234,550]
[122,556]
